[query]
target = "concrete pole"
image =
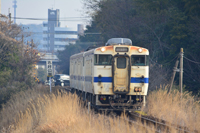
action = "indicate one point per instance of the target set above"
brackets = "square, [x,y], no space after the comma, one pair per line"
[50,83]
[181,72]
[174,73]
[31,48]
[88,107]
[22,45]
[9,15]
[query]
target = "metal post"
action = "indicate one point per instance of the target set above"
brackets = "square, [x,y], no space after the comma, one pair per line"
[88,107]
[22,45]
[9,15]
[181,72]
[174,73]
[50,83]
[31,48]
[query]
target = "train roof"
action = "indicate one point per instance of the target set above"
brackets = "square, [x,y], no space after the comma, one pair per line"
[109,47]
[119,41]
[77,55]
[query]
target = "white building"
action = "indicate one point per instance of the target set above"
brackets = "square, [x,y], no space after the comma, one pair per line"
[55,37]
[62,36]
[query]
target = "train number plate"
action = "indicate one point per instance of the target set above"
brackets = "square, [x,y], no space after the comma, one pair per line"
[120,88]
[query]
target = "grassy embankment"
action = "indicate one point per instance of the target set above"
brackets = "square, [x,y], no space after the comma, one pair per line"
[32,112]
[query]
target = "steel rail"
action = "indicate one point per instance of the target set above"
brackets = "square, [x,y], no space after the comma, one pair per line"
[163,123]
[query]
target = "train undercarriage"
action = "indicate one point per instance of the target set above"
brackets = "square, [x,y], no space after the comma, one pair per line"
[115,102]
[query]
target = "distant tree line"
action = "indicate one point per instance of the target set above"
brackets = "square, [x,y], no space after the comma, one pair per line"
[16,60]
[162,26]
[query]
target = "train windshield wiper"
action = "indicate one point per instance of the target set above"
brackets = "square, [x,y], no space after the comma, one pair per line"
[136,65]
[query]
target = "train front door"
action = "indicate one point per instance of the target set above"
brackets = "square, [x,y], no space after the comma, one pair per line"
[121,74]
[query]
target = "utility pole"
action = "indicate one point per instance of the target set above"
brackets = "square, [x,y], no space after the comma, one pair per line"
[22,44]
[181,72]
[174,73]
[9,15]
[31,47]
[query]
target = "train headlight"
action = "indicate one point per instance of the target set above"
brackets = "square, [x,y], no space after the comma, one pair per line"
[137,89]
[103,49]
[140,50]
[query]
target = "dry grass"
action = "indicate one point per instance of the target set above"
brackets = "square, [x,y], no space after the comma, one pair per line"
[63,113]
[170,107]
[17,103]
[58,113]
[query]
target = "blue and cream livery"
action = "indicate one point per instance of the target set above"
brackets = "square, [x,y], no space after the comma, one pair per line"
[114,76]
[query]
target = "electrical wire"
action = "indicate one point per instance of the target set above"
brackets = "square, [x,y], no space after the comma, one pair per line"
[171,60]
[165,62]
[36,33]
[62,19]
[191,60]
[154,61]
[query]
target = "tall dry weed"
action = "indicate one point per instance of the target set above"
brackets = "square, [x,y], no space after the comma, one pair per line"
[171,107]
[19,103]
[64,113]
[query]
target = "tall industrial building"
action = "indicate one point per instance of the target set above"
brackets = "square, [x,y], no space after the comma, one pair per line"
[55,37]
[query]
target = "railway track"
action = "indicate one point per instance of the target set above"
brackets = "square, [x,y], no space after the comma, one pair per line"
[152,124]
[159,124]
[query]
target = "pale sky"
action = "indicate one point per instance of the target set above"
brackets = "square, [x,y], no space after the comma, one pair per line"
[39,9]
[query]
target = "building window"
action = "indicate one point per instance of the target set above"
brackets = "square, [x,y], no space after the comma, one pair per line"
[65,39]
[52,13]
[66,32]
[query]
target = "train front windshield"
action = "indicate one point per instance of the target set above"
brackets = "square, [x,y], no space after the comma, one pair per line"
[139,60]
[121,63]
[102,59]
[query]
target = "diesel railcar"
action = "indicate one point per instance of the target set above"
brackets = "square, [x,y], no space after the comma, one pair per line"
[112,77]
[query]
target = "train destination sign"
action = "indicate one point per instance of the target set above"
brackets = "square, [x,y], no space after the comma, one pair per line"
[121,49]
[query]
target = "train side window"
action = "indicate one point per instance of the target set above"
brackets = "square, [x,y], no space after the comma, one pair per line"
[139,60]
[71,68]
[96,57]
[147,60]
[74,68]
[102,59]
[121,62]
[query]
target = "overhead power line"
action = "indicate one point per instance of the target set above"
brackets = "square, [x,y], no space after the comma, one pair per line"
[192,60]
[61,19]
[165,63]
[171,60]
[97,33]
